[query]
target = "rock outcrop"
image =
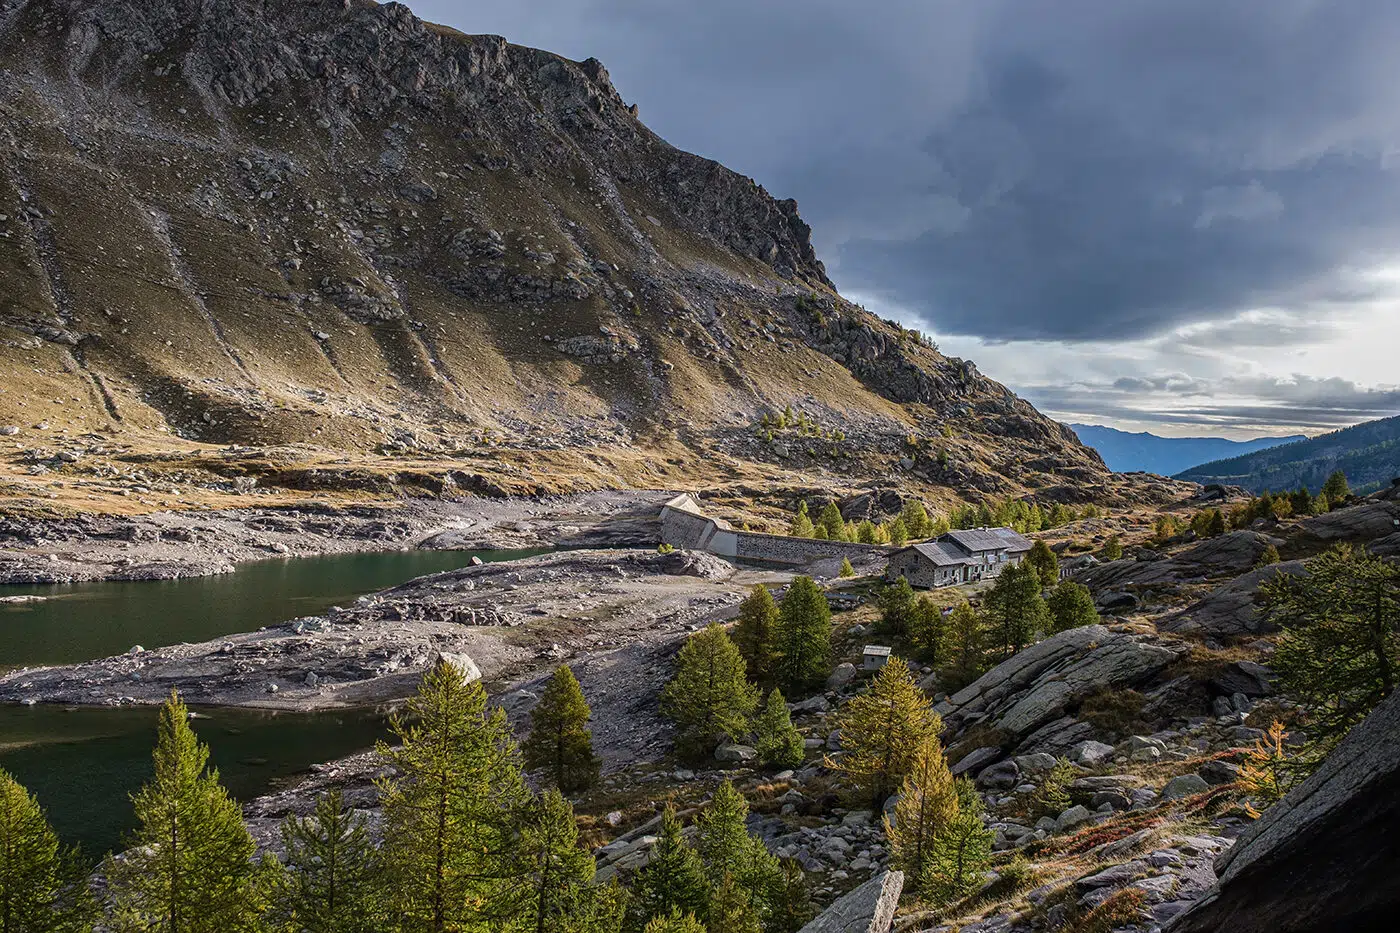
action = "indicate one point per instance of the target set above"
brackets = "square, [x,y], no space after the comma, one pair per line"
[1028,698]
[1324,857]
[1231,610]
[868,909]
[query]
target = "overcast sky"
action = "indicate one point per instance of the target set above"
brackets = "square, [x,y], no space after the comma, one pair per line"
[1178,216]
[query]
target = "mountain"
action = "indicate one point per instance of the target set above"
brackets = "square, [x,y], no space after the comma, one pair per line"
[1369,454]
[1124,451]
[371,252]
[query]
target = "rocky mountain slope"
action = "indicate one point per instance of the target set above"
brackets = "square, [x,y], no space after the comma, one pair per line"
[1369,454]
[370,248]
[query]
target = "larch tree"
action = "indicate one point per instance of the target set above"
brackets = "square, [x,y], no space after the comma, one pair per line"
[929,632]
[1336,488]
[1019,614]
[831,520]
[727,849]
[756,632]
[916,519]
[1340,649]
[793,906]
[331,882]
[967,644]
[710,698]
[673,881]
[43,887]
[1071,605]
[554,871]
[928,803]
[898,532]
[188,866]
[731,910]
[559,744]
[961,853]
[804,636]
[882,731]
[801,526]
[676,923]
[1113,547]
[778,743]
[1046,564]
[897,602]
[452,809]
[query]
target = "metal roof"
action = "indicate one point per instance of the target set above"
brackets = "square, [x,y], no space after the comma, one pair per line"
[879,650]
[941,554]
[974,540]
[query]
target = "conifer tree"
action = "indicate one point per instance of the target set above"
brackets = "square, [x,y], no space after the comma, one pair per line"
[730,909]
[726,848]
[1340,650]
[801,522]
[1071,605]
[672,881]
[559,743]
[710,698]
[793,907]
[847,571]
[1217,524]
[916,519]
[928,632]
[779,744]
[1046,564]
[1113,548]
[1018,612]
[897,603]
[967,636]
[832,521]
[1269,556]
[331,882]
[961,852]
[676,923]
[555,872]
[882,731]
[43,888]
[1051,798]
[898,533]
[804,636]
[819,533]
[928,802]
[1336,488]
[452,810]
[756,633]
[189,865]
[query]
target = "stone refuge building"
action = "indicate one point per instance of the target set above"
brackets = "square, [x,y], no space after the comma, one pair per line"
[960,556]
[684,524]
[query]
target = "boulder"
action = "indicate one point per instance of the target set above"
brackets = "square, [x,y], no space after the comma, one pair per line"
[463,663]
[1324,857]
[1219,772]
[867,909]
[1186,785]
[976,759]
[1230,611]
[739,754]
[844,673]
[1090,753]
[1043,682]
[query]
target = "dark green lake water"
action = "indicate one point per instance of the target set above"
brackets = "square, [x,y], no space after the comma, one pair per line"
[82,621]
[83,763]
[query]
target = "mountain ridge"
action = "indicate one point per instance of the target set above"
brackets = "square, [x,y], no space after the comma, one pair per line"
[1369,454]
[1126,451]
[333,232]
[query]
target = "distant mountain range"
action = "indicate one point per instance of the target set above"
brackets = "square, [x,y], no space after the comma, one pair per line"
[1369,454]
[1125,452]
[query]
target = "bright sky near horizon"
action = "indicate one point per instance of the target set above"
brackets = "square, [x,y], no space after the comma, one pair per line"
[1180,216]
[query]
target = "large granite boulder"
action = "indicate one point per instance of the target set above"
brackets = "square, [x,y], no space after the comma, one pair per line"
[867,909]
[1324,858]
[1230,610]
[1043,682]
[1365,522]
[1227,554]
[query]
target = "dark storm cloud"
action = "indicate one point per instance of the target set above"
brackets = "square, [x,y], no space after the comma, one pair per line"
[1067,170]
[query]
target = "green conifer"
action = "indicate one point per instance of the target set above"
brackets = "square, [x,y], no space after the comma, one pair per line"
[727,849]
[882,731]
[1269,556]
[1071,605]
[1019,614]
[43,888]
[710,698]
[897,602]
[189,864]
[847,571]
[804,637]
[756,632]
[961,852]
[1336,488]
[967,651]
[559,743]
[1046,564]
[928,802]
[1113,548]
[832,521]
[778,743]
[898,532]
[676,923]
[929,632]
[673,879]
[730,909]
[916,519]
[554,872]
[801,522]
[332,881]
[452,809]
[793,907]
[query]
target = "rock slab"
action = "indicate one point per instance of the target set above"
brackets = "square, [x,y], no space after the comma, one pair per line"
[867,909]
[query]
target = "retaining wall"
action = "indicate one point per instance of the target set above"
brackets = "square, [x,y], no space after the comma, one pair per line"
[684,525]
